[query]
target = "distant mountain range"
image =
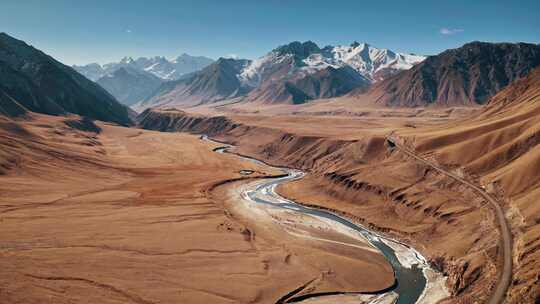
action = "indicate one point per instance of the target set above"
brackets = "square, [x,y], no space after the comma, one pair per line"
[292,73]
[30,80]
[132,80]
[130,85]
[216,82]
[300,72]
[159,66]
[371,63]
[467,75]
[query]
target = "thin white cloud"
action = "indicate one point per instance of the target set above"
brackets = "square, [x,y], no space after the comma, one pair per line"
[128,31]
[232,56]
[451,31]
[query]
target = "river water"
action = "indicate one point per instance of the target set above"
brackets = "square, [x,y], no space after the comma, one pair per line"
[408,264]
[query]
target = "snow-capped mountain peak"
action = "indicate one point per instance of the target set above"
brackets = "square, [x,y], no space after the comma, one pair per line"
[157,65]
[293,73]
[372,63]
[127,60]
[298,49]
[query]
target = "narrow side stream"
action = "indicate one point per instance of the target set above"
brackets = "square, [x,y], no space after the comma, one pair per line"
[407,263]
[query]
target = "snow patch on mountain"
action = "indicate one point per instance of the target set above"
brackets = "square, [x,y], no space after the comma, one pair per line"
[372,63]
[167,69]
[254,71]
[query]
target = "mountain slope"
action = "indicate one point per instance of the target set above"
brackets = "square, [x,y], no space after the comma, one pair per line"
[507,128]
[464,76]
[159,66]
[501,147]
[92,71]
[130,86]
[371,63]
[20,89]
[300,88]
[41,84]
[216,82]
[293,73]
[10,107]
[185,64]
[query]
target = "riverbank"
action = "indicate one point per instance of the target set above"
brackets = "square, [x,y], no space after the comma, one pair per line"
[122,217]
[261,196]
[354,170]
[340,260]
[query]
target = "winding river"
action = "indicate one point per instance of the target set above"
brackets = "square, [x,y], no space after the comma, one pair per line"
[407,263]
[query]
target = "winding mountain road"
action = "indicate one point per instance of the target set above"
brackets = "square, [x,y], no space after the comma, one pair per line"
[505,277]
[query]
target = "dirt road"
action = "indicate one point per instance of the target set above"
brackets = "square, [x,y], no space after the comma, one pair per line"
[506,236]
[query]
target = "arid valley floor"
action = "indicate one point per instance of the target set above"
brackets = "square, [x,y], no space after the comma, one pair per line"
[297,177]
[98,213]
[138,217]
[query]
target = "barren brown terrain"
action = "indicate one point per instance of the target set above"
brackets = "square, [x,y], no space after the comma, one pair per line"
[93,212]
[96,213]
[269,152]
[354,171]
[498,149]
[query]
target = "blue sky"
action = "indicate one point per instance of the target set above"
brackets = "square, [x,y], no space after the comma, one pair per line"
[77,32]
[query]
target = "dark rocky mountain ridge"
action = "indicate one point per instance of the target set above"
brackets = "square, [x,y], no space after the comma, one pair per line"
[41,84]
[467,75]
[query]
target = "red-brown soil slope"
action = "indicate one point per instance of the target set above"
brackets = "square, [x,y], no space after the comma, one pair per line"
[501,149]
[467,75]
